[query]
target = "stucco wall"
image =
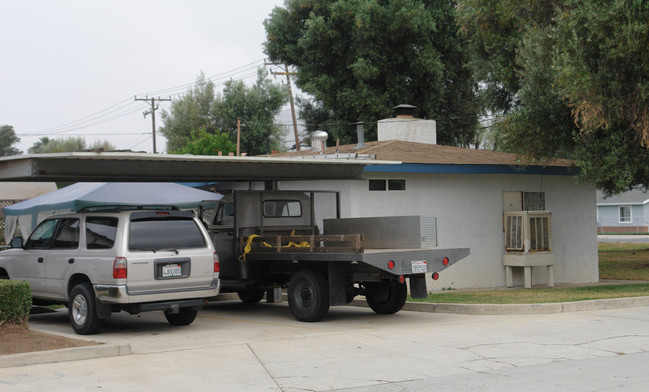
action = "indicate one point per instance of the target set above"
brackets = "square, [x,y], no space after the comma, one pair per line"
[24,190]
[468,208]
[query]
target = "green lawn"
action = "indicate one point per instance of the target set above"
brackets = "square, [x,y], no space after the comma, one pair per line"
[617,261]
[624,261]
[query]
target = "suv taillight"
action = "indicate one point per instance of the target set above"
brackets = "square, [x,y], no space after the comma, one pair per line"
[217,266]
[119,268]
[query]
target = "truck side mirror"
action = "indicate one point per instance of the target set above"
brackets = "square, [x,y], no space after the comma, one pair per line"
[16,242]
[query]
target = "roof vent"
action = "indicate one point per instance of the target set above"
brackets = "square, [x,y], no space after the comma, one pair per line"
[318,140]
[405,111]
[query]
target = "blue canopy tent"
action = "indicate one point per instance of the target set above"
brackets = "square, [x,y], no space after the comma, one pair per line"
[29,213]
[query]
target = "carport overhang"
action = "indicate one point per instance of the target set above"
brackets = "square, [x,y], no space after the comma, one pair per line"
[142,167]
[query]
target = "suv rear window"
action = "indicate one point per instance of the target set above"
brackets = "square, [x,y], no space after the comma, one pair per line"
[165,234]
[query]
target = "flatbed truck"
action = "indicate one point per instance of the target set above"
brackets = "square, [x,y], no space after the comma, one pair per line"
[269,242]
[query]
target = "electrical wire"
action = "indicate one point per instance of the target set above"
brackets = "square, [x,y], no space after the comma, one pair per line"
[125,107]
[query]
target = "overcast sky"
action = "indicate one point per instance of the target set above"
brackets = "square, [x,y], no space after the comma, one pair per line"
[73,67]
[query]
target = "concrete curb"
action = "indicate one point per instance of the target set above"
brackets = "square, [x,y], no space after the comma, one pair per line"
[497,309]
[63,355]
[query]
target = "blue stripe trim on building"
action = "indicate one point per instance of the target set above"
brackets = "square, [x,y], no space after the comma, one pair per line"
[472,169]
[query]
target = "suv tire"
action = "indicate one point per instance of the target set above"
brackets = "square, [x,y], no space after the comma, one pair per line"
[185,316]
[82,311]
[251,296]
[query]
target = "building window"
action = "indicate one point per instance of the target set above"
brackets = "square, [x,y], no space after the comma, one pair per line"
[533,201]
[396,185]
[377,185]
[389,185]
[625,214]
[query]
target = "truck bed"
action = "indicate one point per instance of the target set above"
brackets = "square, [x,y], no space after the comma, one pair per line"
[347,248]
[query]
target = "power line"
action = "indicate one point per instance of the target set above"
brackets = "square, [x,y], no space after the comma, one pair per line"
[124,108]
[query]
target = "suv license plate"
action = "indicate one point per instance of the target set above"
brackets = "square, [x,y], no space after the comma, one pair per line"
[419,267]
[171,270]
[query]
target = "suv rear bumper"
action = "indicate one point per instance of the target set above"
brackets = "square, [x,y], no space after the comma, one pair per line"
[120,294]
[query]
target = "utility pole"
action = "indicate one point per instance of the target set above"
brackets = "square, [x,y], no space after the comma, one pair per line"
[290,96]
[238,135]
[154,107]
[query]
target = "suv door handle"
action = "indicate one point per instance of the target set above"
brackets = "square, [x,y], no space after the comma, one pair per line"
[40,259]
[71,260]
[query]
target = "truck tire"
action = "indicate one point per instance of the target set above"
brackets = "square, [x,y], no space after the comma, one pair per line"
[251,296]
[387,298]
[185,316]
[308,295]
[81,310]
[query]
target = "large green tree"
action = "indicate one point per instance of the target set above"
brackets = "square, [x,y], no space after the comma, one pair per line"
[189,113]
[202,109]
[7,139]
[360,58]
[70,144]
[203,142]
[566,78]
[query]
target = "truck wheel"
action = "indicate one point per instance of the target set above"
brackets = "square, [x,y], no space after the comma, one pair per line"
[81,310]
[387,298]
[251,296]
[308,295]
[185,316]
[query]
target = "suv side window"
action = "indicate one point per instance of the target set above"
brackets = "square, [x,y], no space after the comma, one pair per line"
[42,235]
[100,232]
[67,234]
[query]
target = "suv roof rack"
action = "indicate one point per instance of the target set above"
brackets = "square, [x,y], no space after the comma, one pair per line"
[118,208]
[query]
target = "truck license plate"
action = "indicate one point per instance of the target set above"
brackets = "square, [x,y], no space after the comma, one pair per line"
[171,270]
[419,267]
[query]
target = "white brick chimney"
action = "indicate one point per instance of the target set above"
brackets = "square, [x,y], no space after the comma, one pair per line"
[407,128]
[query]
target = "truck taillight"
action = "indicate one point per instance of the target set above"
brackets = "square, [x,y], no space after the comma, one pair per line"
[391,264]
[119,268]
[217,265]
[445,261]
[435,276]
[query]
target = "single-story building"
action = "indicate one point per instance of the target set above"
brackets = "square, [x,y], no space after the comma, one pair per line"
[475,195]
[468,191]
[627,212]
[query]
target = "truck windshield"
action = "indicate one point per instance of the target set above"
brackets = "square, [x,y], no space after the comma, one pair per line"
[165,234]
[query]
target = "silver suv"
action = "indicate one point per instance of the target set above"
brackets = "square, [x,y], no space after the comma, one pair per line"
[103,261]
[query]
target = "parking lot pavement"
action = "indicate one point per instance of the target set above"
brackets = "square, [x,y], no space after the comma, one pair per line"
[237,347]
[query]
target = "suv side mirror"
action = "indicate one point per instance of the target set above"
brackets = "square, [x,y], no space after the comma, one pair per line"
[16,242]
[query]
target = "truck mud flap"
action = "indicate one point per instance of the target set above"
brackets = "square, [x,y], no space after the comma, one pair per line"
[418,286]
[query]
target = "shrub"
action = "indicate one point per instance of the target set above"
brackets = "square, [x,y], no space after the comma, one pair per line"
[15,301]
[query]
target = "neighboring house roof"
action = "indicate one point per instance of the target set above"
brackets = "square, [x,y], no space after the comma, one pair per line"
[432,154]
[634,197]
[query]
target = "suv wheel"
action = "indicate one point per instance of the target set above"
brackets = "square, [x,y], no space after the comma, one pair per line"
[185,316]
[82,311]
